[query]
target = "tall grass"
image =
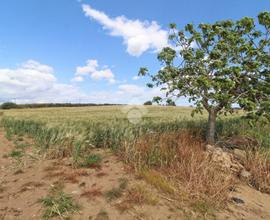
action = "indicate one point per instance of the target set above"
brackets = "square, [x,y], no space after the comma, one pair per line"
[166,150]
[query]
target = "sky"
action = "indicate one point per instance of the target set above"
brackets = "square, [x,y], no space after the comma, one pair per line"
[91,50]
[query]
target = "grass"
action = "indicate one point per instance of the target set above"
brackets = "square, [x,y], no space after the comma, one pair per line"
[102,215]
[92,160]
[258,164]
[57,203]
[166,147]
[16,154]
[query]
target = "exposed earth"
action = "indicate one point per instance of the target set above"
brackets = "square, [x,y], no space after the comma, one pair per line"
[24,181]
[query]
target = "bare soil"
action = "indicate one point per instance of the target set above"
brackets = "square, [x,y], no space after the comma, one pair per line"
[23,182]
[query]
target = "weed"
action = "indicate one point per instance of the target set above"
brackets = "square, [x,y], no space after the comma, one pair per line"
[203,209]
[92,160]
[155,179]
[16,154]
[258,163]
[57,203]
[21,146]
[137,195]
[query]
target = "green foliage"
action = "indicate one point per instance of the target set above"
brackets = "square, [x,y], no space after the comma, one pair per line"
[92,160]
[58,204]
[9,105]
[147,103]
[16,154]
[219,65]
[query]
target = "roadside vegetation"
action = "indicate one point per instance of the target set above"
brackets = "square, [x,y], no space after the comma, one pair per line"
[167,152]
[196,161]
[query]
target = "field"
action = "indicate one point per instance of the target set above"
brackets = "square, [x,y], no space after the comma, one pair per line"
[159,146]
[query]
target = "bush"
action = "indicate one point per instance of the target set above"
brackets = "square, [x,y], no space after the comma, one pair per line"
[9,105]
[148,103]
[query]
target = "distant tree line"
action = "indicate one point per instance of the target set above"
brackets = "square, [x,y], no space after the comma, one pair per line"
[12,105]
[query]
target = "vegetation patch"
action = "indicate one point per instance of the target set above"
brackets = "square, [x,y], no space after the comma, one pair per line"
[92,160]
[137,195]
[57,203]
[102,215]
[117,192]
[258,164]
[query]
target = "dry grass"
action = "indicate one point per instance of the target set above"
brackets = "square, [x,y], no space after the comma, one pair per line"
[91,193]
[101,174]
[258,164]
[176,163]
[70,176]
[137,195]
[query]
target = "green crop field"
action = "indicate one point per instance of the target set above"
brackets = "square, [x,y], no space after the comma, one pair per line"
[109,126]
[101,113]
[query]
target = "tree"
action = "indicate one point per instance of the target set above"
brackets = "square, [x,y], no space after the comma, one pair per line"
[148,103]
[9,105]
[218,66]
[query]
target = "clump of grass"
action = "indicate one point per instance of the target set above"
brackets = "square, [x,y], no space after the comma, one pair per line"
[258,164]
[16,154]
[57,203]
[205,210]
[102,215]
[157,180]
[176,163]
[137,195]
[20,145]
[117,192]
[92,160]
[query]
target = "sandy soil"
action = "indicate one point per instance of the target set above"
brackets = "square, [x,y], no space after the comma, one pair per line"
[22,184]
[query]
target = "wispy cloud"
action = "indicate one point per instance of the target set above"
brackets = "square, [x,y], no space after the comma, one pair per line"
[138,36]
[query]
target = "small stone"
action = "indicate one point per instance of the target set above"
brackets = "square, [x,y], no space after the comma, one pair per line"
[238,200]
[245,174]
[239,154]
[209,148]
[75,192]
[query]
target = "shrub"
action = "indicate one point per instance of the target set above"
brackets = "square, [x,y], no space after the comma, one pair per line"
[9,105]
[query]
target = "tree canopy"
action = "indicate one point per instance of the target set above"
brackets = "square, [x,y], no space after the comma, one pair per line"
[218,66]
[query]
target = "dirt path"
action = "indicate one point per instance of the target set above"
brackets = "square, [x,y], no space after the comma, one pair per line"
[24,182]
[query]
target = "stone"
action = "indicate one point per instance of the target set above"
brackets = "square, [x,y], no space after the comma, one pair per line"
[240,154]
[245,174]
[209,148]
[238,200]
[225,160]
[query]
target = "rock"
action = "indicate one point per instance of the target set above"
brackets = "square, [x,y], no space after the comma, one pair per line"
[209,148]
[225,160]
[240,154]
[238,200]
[222,158]
[245,174]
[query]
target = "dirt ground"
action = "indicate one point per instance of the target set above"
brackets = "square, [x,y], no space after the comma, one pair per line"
[24,182]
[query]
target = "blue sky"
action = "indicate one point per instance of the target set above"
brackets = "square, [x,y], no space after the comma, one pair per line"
[90,50]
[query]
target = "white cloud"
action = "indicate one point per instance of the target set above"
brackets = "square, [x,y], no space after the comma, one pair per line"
[139,36]
[92,68]
[35,82]
[135,77]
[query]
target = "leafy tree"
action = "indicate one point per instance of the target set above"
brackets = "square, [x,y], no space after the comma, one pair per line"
[218,66]
[9,105]
[148,103]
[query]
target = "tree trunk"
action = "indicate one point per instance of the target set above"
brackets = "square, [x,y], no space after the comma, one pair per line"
[211,126]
